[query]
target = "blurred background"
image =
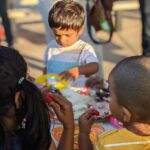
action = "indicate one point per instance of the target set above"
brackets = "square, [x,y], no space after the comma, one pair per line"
[29,33]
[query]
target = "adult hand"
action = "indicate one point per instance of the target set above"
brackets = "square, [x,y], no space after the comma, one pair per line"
[63,110]
[85,121]
[71,73]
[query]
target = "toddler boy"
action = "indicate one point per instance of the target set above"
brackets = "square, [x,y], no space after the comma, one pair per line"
[67,55]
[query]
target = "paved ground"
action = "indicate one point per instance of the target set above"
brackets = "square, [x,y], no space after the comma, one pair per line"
[30,39]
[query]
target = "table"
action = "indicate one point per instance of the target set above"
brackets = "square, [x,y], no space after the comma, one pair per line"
[95,131]
[98,127]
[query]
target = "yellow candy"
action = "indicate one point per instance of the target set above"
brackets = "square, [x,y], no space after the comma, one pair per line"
[52,80]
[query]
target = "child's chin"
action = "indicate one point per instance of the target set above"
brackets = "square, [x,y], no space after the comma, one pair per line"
[64,45]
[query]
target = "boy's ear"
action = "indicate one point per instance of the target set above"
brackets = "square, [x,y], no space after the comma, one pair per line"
[126,115]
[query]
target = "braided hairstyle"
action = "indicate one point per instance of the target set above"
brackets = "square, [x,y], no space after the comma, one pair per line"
[35,134]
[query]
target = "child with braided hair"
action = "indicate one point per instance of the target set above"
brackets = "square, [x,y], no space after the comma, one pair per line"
[24,116]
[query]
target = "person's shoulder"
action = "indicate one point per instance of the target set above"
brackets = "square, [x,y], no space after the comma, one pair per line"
[109,133]
[106,138]
[117,136]
[86,45]
[121,138]
[113,134]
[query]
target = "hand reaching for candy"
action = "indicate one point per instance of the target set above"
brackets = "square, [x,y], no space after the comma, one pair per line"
[46,91]
[95,112]
[101,110]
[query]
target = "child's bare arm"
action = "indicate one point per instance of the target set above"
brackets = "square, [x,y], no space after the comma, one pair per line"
[86,70]
[64,112]
[84,142]
[85,123]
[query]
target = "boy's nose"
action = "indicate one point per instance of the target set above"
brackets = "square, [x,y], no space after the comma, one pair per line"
[62,39]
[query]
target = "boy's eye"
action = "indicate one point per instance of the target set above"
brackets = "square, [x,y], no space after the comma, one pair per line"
[67,34]
[57,35]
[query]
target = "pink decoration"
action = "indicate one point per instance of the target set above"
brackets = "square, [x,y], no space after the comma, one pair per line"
[115,123]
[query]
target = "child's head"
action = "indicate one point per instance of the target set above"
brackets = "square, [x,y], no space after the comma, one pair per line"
[20,101]
[66,19]
[130,90]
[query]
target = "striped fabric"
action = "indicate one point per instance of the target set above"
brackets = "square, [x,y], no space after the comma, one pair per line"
[122,139]
[58,59]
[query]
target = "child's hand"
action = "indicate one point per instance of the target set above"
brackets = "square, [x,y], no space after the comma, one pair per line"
[73,73]
[86,121]
[63,110]
[95,82]
[46,94]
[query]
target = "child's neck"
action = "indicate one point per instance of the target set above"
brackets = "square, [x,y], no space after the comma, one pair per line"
[142,129]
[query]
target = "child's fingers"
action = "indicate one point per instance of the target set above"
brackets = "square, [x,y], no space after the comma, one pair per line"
[63,109]
[62,76]
[65,76]
[45,89]
[86,115]
[92,119]
[56,109]
[61,100]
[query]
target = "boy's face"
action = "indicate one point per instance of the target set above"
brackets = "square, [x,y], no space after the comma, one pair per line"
[66,37]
